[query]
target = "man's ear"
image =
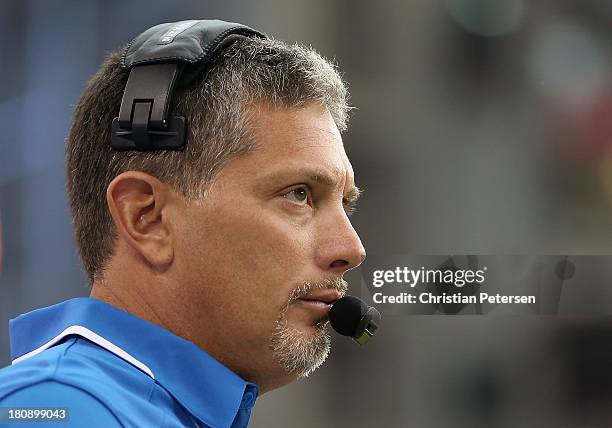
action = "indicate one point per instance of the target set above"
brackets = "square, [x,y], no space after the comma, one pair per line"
[138,204]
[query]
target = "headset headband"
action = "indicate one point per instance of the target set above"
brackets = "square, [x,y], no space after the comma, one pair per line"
[157,60]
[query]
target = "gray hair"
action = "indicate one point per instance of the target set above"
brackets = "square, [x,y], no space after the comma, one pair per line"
[216,109]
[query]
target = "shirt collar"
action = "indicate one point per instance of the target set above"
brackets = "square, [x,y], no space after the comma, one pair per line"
[205,387]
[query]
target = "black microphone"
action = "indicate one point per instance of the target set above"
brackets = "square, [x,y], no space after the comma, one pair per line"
[350,316]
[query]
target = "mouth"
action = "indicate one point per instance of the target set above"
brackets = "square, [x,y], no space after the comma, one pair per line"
[320,300]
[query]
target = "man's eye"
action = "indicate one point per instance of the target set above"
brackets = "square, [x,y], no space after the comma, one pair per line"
[299,195]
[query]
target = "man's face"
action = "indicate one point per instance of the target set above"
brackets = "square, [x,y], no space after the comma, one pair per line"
[261,258]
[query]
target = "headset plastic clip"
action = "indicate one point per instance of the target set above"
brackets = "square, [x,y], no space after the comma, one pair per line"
[143,123]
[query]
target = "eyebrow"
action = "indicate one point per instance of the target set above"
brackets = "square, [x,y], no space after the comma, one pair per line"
[349,200]
[352,196]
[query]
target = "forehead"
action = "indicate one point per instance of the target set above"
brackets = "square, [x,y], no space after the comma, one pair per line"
[297,138]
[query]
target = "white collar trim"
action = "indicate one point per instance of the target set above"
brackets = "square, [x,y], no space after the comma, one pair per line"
[93,337]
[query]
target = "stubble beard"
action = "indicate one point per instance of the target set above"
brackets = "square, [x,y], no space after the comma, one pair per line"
[299,352]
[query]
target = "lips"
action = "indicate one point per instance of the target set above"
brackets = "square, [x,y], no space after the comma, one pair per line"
[327,296]
[317,305]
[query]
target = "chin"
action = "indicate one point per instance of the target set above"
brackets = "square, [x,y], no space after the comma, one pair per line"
[300,351]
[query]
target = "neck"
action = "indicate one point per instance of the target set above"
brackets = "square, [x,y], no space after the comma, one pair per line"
[128,300]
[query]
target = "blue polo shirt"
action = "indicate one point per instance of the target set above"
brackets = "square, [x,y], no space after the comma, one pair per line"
[109,368]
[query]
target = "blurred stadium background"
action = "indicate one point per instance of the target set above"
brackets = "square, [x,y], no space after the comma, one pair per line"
[482,127]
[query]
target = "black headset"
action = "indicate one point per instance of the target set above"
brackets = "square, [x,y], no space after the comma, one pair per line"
[157,60]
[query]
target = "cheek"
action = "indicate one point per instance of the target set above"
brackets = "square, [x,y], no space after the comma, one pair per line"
[245,264]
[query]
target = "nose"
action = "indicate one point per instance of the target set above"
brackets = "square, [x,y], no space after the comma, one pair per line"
[340,248]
